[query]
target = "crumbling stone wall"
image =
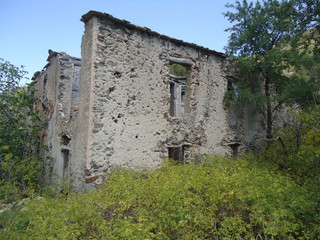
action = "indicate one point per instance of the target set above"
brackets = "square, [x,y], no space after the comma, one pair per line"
[124,118]
[119,106]
[247,126]
[57,89]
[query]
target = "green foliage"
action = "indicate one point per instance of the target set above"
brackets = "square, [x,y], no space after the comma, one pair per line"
[299,152]
[20,167]
[309,17]
[267,40]
[178,70]
[219,198]
[12,221]
[257,28]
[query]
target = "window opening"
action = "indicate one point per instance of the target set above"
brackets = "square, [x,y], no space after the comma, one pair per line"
[45,85]
[183,94]
[178,70]
[75,91]
[178,82]
[44,96]
[172,99]
[176,153]
[232,90]
[65,140]
[235,149]
[65,153]
[65,162]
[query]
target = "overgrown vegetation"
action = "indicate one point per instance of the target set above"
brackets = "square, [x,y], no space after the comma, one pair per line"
[272,195]
[298,149]
[178,70]
[20,168]
[219,198]
[269,39]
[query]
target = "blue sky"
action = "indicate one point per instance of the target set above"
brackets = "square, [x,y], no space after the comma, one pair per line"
[30,27]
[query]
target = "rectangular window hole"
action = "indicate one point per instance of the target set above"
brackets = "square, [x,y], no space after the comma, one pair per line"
[176,153]
[235,149]
[65,162]
[178,90]
[65,140]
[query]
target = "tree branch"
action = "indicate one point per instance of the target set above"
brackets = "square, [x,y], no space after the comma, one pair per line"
[276,107]
[262,111]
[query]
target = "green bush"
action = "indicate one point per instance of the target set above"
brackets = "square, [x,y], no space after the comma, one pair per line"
[219,198]
[298,152]
[13,223]
[21,167]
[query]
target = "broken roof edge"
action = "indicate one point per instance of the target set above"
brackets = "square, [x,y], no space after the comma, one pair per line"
[86,17]
[51,55]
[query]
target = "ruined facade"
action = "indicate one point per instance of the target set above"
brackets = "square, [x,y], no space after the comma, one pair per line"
[120,106]
[57,89]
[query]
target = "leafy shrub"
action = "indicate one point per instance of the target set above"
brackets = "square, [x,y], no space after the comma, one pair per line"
[299,151]
[13,222]
[219,198]
[21,167]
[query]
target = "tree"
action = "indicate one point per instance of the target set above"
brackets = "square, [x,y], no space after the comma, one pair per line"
[266,42]
[309,17]
[20,166]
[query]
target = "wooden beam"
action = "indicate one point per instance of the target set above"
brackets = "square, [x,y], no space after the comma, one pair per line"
[182,61]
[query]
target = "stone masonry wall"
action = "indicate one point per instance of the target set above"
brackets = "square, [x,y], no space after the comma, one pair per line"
[56,87]
[120,106]
[125,96]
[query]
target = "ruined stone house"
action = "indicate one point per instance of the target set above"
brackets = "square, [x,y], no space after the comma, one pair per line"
[119,105]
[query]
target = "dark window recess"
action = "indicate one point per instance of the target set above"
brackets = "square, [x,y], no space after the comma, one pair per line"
[65,161]
[235,149]
[229,86]
[172,100]
[65,153]
[45,85]
[176,153]
[183,94]
[65,140]
[75,92]
[44,96]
